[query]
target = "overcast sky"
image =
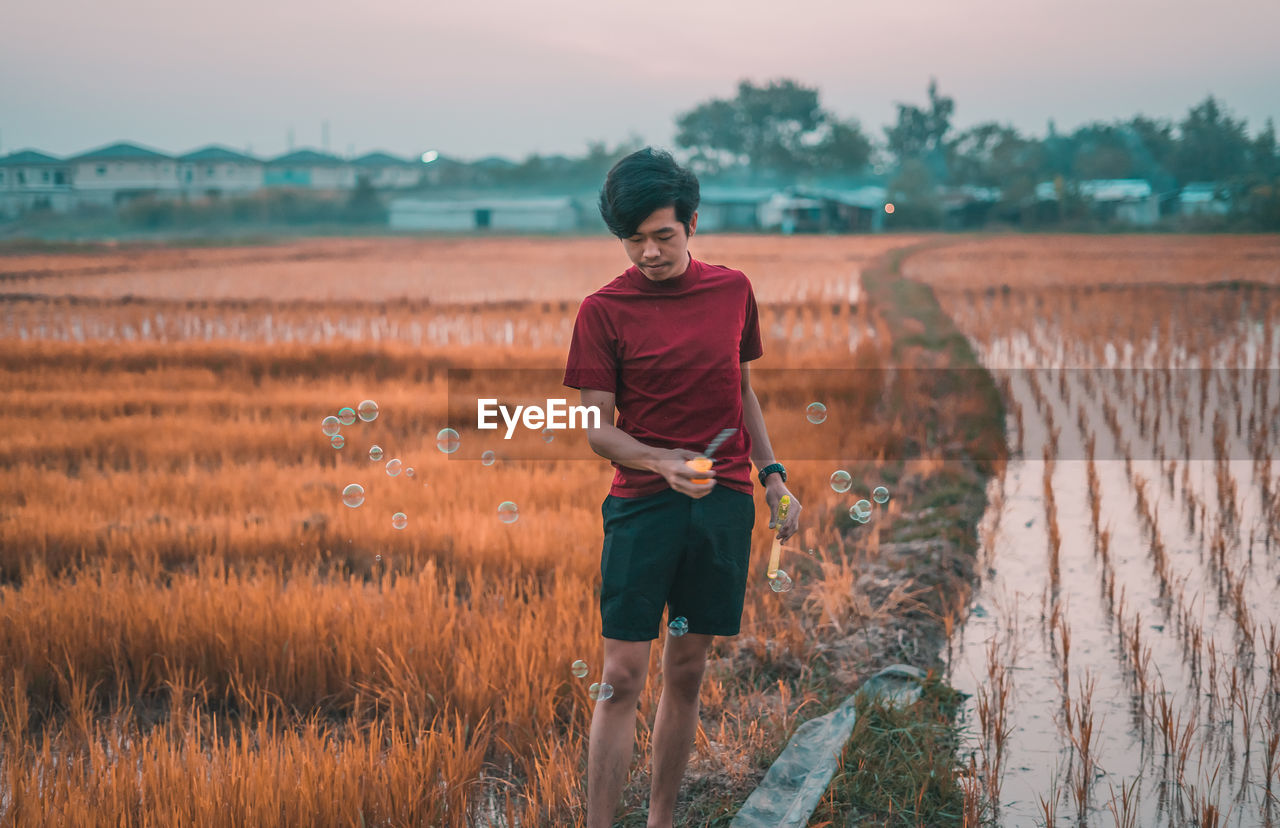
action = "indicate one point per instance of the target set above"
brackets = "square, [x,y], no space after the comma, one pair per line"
[510,77]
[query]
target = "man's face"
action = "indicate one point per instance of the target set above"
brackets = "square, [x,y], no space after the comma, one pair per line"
[660,246]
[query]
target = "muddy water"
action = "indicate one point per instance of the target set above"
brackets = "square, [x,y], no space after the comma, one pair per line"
[1139,678]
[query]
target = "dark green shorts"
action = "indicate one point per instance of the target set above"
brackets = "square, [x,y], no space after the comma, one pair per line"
[671,550]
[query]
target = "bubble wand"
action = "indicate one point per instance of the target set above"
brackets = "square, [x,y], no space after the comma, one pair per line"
[775,554]
[703,463]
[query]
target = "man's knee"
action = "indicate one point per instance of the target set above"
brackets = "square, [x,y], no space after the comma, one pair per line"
[682,669]
[625,666]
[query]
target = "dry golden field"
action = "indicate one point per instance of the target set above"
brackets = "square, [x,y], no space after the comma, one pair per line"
[194,628]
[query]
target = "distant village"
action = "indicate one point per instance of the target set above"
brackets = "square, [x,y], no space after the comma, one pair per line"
[115,175]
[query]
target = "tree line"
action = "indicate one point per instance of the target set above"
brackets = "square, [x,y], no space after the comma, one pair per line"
[778,132]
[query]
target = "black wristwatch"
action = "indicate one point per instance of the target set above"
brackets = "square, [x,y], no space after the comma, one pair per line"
[770,469]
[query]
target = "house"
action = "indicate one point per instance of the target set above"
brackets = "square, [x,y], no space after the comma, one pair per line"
[732,208]
[1204,198]
[309,170]
[216,170]
[825,210]
[472,214]
[967,205]
[119,172]
[858,210]
[1127,200]
[386,171]
[31,180]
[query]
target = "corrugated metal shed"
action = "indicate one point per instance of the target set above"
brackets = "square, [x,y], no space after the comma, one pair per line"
[524,214]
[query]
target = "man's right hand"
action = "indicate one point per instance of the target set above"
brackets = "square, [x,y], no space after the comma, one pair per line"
[680,475]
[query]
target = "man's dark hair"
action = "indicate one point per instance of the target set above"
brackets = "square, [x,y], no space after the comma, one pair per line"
[644,181]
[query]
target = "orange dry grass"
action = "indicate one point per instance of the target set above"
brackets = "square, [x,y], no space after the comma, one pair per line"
[193,625]
[1049,261]
[442,270]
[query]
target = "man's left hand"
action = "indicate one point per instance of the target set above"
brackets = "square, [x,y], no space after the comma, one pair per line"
[773,492]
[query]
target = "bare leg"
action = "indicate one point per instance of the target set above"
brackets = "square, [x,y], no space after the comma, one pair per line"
[613,729]
[684,660]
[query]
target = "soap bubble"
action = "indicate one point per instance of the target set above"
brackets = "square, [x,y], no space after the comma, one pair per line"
[679,626]
[337,441]
[330,425]
[368,411]
[487,458]
[409,472]
[347,415]
[781,582]
[353,495]
[880,494]
[548,435]
[841,481]
[863,508]
[393,467]
[447,440]
[816,412]
[399,520]
[375,453]
[508,512]
[600,691]
[579,669]
[857,515]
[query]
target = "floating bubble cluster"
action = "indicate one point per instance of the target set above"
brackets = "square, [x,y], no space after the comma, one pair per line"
[579,669]
[841,481]
[508,512]
[447,440]
[375,453]
[368,411]
[393,467]
[330,425]
[346,415]
[781,582]
[353,495]
[399,520]
[600,691]
[487,458]
[678,626]
[816,412]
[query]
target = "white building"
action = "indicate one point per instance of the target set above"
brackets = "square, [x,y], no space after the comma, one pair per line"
[30,180]
[119,172]
[387,172]
[732,208]
[1203,198]
[1129,200]
[310,170]
[460,215]
[217,170]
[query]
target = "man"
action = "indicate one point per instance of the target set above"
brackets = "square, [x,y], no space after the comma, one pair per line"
[667,343]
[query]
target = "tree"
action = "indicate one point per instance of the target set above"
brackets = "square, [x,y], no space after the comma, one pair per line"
[1101,152]
[1211,145]
[777,127]
[843,149]
[994,155]
[1154,148]
[1264,156]
[921,133]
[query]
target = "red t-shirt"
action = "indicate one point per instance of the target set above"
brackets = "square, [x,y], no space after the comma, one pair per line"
[670,352]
